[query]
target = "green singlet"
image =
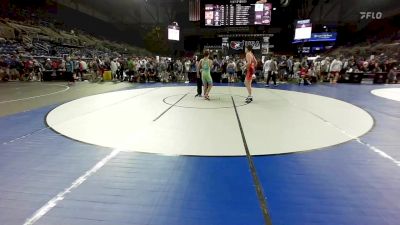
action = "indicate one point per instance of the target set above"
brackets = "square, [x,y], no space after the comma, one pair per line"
[206,71]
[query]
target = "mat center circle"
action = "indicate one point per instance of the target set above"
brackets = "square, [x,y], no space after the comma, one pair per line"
[217,101]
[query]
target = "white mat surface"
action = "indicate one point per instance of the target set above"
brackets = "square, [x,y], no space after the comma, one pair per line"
[276,122]
[389,93]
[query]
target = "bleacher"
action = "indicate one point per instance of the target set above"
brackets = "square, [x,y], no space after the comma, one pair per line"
[383,47]
[9,48]
[45,40]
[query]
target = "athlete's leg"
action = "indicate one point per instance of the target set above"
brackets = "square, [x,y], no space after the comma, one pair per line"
[209,89]
[248,85]
[205,88]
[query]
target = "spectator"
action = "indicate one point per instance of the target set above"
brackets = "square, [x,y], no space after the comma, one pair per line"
[324,69]
[95,68]
[28,67]
[392,75]
[187,70]
[304,75]
[290,66]
[121,68]
[114,69]
[82,69]
[267,69]
[272,71]
[296,68]
[335,68]
[131,69]
[141,72]
[151,72]
[69,71]
[48,64]
[283,69]
[239,66]
[231,68]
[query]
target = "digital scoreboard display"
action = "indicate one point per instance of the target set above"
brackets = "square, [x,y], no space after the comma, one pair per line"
[173,32]
[238,13]
[303,30]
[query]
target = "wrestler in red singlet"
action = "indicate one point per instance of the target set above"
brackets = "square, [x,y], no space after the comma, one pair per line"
[251,62]
[250,71]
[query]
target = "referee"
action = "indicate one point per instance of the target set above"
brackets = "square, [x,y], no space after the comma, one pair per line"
[199,81]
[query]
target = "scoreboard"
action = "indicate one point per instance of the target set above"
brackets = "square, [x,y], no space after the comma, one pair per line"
[237,14]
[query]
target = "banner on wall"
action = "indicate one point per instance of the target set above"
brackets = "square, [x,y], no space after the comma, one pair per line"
[256,44]
[240,45]
[225,45]
[237,45]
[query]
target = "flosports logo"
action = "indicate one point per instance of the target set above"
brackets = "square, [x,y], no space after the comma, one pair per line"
[371,15]
[237,45]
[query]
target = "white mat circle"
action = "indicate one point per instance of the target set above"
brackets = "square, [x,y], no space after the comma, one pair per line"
[389,93]
[276,122]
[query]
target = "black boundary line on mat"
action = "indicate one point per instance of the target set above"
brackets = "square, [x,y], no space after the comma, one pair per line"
[158,117]
[259,189]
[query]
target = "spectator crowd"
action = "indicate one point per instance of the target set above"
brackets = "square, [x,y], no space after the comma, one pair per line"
[332,66]
[229,69]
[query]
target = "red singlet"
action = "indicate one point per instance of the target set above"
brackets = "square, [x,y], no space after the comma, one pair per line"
[250,72]
[251,69]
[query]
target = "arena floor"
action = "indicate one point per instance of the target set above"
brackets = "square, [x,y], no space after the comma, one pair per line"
[114,153]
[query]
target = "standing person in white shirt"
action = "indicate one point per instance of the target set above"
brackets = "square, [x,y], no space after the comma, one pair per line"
[324,69]
[187,69]
[296,68]
[335,68]
[114,68]
[179,70]
[267,70]
[273,71]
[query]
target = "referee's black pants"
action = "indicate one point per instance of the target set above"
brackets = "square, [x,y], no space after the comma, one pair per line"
[199,86]
[273,75]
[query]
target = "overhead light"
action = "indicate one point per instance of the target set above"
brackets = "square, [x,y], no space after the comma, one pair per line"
[324,26]
[274,8]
